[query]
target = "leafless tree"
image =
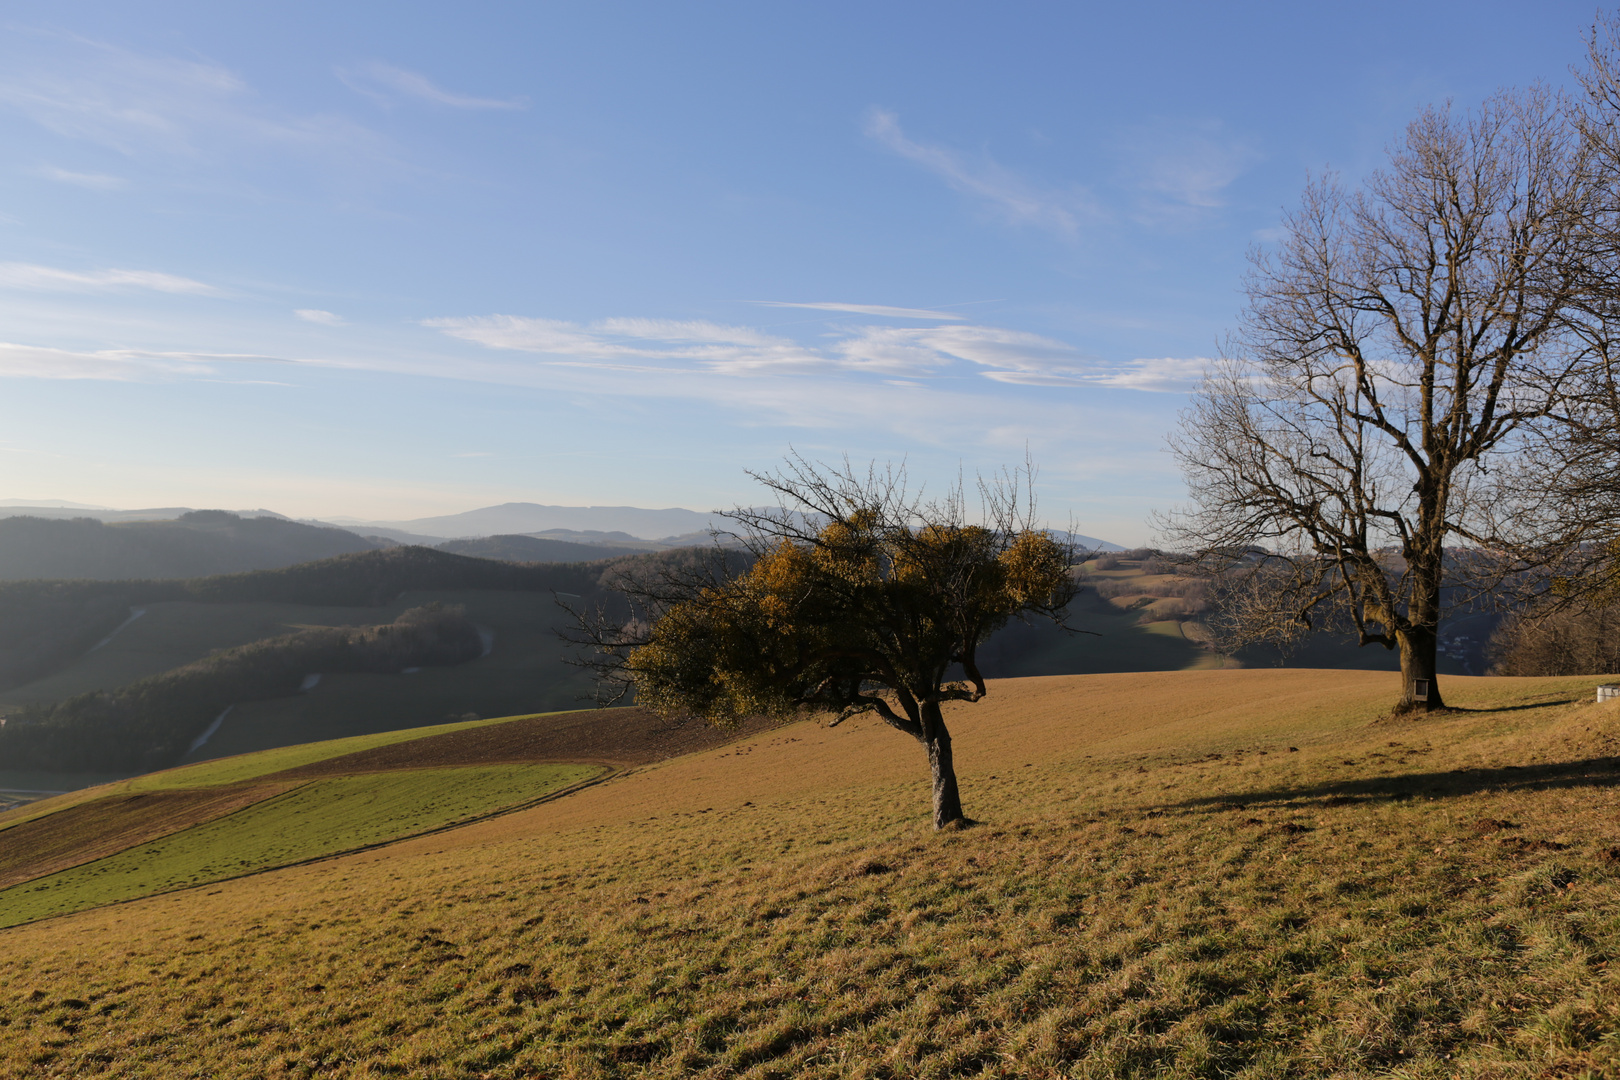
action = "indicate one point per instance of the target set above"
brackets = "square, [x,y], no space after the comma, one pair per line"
[1395,342]
[1566,514]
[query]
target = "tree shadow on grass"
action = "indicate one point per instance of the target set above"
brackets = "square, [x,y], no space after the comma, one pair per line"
[1591,773]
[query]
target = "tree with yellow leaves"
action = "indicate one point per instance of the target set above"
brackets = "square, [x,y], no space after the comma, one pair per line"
[857,598]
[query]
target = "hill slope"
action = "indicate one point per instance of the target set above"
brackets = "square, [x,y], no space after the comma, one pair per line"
[46,624]
[536,549]
[196,544]
[1165,887]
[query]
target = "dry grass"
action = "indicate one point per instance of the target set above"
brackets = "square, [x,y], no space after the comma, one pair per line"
[1162,889]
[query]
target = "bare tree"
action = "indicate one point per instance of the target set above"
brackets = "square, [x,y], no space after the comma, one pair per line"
[1395,342]
[860,597]
[1566,517]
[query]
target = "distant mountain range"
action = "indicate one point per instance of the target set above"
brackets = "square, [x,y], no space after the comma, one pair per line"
[194,544]
[517,518]
[615,527]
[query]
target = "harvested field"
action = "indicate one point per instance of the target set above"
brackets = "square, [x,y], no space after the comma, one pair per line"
[95,829]
[622,737]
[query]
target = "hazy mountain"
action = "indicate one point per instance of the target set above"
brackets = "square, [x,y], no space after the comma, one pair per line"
[612,526]
[195,544]
[63,511]
[1091,543]
[516,518]
[597,536]
[52,504]
[536,549]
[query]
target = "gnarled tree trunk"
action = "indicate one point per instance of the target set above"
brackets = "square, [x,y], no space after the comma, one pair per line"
[1419,654]
[1418,635]
[937,741]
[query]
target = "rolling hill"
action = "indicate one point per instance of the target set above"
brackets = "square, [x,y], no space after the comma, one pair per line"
[61,639]
[522,517]
[1200,874]
[196,544]
[538,549]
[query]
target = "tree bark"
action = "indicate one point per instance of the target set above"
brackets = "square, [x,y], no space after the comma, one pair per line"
[1419,654]
[937,741]
[1419,638]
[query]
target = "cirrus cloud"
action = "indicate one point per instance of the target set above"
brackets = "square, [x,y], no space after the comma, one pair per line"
[956,350]
[31,276]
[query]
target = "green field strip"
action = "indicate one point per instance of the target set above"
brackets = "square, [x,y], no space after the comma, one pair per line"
[323,817]
[263,762]
[241,767]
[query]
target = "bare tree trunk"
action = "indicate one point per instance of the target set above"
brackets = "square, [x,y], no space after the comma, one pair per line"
[1419,653]
[1419,642]
[937,741]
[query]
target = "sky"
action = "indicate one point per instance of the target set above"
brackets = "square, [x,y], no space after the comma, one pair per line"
[387,260]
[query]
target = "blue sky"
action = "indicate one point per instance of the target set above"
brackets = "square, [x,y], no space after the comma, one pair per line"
[391,260]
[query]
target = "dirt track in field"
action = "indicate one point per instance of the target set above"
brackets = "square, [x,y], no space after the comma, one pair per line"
[89,831]
[622,737]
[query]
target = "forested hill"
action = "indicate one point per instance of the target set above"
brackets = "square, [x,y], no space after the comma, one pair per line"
[198,544]
[540,549]
[45,623]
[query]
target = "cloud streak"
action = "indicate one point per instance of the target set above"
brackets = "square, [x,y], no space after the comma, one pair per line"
[1009,195]
[117,365]
[141,104]
[893,354]
[316,315]
[31,276]
[92,181]
[367,78]
[882,310]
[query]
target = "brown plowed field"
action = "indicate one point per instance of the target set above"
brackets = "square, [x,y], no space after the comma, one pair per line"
[623,737]
[89,831]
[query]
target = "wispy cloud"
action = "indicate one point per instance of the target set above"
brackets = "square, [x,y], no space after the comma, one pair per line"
[375,78]
[895,355]
[1166,375]
[1184,169]
[119,365]
[140,104]
[30,276]
[93,181]
[316,315]
[881,310]
[1008,194]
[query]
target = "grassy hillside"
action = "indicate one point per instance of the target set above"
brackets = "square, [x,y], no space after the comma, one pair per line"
[196,544]
[278,828]
[1195,874]
[220,819]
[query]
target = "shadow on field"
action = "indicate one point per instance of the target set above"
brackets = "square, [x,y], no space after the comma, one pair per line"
[1592,772]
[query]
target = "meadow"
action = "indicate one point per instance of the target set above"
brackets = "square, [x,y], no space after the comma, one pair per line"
[1195,874]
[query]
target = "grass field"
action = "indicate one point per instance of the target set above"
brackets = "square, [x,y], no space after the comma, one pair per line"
[1194,874]
[313,819]
[232,770]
